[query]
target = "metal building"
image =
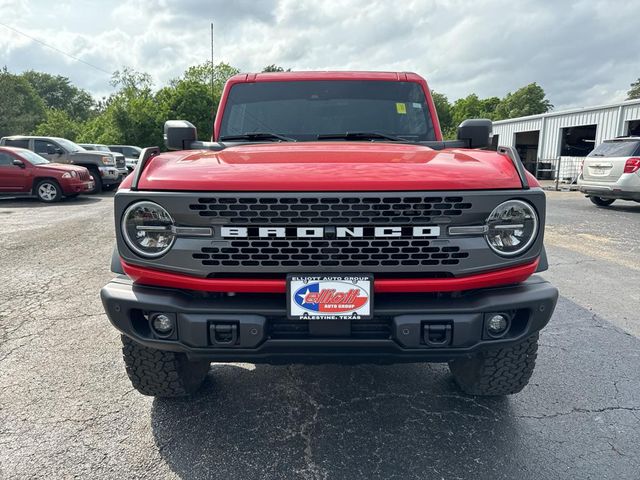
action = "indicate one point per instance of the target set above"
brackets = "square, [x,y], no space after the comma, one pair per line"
[555,143]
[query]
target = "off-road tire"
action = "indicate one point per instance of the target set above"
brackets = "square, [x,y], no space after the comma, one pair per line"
[498,371]
[602,202]
[52,189]
[97,180]
[159,373]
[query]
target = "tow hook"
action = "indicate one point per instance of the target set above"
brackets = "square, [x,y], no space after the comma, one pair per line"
[437,334]
[223,334]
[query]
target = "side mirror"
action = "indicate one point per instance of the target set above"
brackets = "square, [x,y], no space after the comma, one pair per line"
[19,163]
[476,132]
[179,134]
[58,151]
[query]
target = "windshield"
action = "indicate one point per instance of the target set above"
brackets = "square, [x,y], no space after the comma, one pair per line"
[624,148]
[68,145]
[302,110]
[33,158]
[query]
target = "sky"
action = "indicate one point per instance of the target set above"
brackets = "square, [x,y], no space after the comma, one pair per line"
[581,52]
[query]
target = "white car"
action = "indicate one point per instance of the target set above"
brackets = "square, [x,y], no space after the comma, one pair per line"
[612,172]
[131,154]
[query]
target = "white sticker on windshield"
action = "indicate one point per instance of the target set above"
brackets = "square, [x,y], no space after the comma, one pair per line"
[417,105]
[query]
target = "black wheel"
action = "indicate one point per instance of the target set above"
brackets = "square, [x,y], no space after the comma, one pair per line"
[602,202]
[110,187]
[159,373]
[499,371]
[48,191]
[97,180]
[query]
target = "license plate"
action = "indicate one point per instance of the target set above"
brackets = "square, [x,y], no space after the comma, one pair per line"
[598,171]
[329,297]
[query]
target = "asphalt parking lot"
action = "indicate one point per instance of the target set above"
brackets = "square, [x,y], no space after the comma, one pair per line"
[67,408]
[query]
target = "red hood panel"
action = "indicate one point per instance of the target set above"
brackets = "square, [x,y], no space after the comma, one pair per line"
[335,166]
[59,167]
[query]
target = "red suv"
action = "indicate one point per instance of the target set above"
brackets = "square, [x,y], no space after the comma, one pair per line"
[24,173]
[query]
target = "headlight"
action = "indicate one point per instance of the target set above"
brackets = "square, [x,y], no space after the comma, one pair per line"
[147,229]
[69,175]
[108,160]
[512,228]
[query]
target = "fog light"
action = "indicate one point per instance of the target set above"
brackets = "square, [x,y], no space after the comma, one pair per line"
[162,324]
[497,324]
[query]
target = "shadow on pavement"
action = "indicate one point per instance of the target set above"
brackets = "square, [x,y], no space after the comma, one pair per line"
[333,421]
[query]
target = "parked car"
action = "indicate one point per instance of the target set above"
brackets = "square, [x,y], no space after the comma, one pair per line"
[103,167]
[24,173]
[98,147]
[612,172]
[131,154]
[325,206]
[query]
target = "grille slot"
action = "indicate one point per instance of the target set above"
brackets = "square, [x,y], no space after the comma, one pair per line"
[376,328]
[330,253]
[324,210]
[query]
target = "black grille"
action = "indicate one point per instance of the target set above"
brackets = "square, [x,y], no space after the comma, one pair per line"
[330,253]
[378,327]
[120,162]
[330,210]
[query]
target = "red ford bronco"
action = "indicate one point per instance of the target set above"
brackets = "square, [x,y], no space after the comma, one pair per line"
[328,221]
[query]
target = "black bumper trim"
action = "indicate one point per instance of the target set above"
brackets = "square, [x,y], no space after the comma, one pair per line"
[531,304]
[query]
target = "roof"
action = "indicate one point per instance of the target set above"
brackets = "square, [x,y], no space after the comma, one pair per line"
[14,137]
[325,75]
[569,112]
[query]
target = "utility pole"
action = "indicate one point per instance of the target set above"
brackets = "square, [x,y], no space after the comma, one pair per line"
[213,114]
[212,60]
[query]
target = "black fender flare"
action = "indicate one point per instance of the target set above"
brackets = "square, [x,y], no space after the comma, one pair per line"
[116,266]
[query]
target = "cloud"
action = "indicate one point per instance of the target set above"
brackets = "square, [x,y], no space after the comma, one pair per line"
[582,52]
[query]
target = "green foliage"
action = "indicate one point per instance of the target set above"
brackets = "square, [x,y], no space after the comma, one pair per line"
[445,114]
[58,123]
[528,100]
[21,109]
[634,91]
[190,97]
[58,93]
[274,68]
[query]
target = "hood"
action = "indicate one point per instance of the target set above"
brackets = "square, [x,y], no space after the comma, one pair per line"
[91,154]
[59,167]
[329,166]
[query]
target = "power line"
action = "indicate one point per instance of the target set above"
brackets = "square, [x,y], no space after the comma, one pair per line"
[56,49]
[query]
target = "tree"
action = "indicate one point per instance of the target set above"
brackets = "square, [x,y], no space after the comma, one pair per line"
[58,124]
[188,100]
[21,109]
[58,93]
[528,100]
[445,114]
[274,68]
[132,110]
[634,91]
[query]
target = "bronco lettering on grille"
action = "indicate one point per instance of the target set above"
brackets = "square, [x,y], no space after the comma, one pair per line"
[329,232]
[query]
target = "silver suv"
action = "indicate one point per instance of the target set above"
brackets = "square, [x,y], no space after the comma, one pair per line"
[612,172]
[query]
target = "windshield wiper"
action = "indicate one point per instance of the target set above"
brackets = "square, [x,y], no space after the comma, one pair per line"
[360,136]
[257,136]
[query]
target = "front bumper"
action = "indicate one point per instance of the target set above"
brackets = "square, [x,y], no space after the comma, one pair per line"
[400,330]
[110,175]
[627,187]
[73,188]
